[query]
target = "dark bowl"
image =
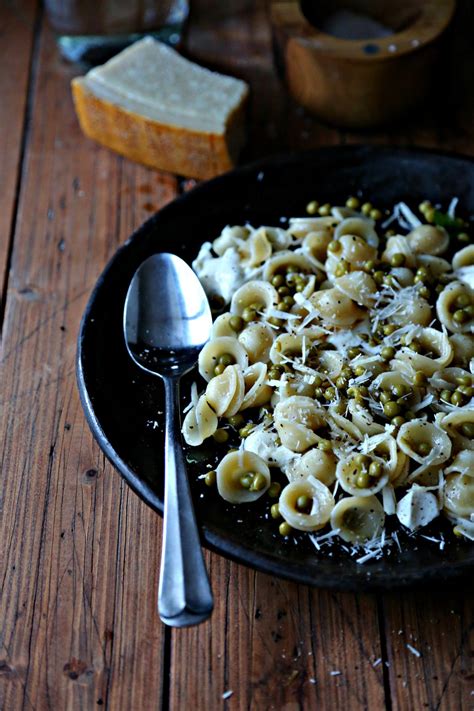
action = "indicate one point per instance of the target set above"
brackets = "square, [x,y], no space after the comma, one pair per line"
[124,405]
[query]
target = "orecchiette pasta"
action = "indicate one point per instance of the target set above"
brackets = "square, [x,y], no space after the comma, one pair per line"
[339,378]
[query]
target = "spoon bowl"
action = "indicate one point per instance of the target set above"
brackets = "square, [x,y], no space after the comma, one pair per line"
[167,320]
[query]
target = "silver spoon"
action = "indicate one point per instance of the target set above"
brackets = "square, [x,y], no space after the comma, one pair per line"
[167,320]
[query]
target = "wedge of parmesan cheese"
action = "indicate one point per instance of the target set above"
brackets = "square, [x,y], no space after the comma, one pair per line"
[154,106]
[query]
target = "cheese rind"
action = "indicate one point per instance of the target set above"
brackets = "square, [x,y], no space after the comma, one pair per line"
[177,130]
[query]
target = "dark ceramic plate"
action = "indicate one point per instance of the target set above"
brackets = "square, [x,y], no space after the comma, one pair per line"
[124,405]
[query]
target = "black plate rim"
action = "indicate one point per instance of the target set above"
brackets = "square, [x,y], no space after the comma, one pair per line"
[210,538]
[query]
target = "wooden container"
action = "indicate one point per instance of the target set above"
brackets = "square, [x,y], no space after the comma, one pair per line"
[359,83]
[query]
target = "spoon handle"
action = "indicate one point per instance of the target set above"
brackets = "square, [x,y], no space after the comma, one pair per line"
[185,596]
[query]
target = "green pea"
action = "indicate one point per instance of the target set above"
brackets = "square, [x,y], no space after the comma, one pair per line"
[462,300]
[420,378]
[366,208]
[445,395]
[359,370]
[415,347]
[423,449]
[378,277]
[467,429]
[422,272]
[389,328]
[210,478]
[399,390]
[369,265]
[460,316]
[353,352]
[397,421]
[424,292]
[398,259]
[285,529]
[330,393]
[275,511]
[289,300]
[303,502]
[246,481]
[429,214]
[259,482]
[469,311]
[312,207]
[387,352]
[325,210]
[236,421]
[352,203]
[391,409]
[220,436]
[466,390]
[226,359]
[423,206]
[341,383]
[236,323]
[274,490]
[375,470]
[334,247]
[249,314]
[318,393]
[245,431]
[275,321]
[292,269]
[219,369]
[375,214]
[278,280]
[283,290]
[318,381]
[283,307]
[457,398]
[463,237]
[385,397]
[464,380]
[362,480]
[362,460]
[325,445]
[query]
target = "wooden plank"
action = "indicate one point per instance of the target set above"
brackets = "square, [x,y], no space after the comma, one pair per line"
[17,21]
[277,645]
[78,620]
[439,626]
[271,643]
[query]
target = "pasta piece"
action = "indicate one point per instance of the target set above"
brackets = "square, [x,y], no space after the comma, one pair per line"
[464,258]
[259,248]
[290,346]
[459,495]
[357,519]
[315,244]
[428,239]
[357,227]
[432,342]
[296,420]
[354,475]
[199,423]
[257,392]
[335,308]
[363,418]
[424,442]
[257,339]
[216,349]
[415,311]
[358,286]
[301,226]
[242,477]
[463,463]
[222,327]
[463,349]
[321,465]
[397,244]
[306,504]
[225,392]
[459,424]
[255,294]
[231,238]
[280,262]
[453,307]
[417,508]
[435,265]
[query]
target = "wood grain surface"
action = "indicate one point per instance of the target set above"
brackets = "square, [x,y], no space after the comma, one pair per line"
[80,552]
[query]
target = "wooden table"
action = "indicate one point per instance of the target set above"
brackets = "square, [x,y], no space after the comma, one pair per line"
[79,627]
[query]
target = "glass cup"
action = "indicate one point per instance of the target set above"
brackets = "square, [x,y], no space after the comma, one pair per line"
[92,31]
